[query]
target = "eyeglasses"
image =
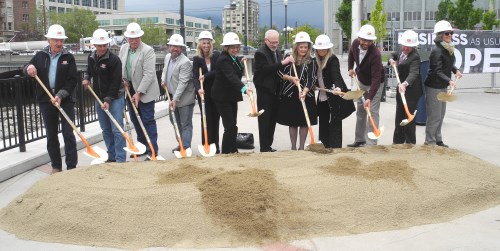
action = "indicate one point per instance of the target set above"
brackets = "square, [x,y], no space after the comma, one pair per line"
[364,41]
[273,42]
[448,33]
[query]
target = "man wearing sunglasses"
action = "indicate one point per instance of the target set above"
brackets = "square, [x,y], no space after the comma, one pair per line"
[441,65]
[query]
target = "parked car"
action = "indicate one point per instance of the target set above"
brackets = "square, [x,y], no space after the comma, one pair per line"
[248,49]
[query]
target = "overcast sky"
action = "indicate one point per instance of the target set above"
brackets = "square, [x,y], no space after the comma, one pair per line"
[300,11]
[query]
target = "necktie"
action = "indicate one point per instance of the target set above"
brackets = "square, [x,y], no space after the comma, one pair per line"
[275,57]
[402,58]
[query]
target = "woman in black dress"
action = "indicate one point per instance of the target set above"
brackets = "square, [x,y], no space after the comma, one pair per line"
[291,112]
[206,59]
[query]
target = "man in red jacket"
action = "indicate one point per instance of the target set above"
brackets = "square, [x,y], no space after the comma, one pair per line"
[369,71]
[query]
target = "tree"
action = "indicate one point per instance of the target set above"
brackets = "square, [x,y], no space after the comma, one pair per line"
[490,20]
[444,9]
[313,32]
[379,21]
[464,16]
[153,34]
[77,23]
[344,18]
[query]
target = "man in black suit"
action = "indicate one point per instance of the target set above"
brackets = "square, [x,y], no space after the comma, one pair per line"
[268,61]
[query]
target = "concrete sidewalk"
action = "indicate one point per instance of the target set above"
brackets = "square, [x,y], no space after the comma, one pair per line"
[471,125]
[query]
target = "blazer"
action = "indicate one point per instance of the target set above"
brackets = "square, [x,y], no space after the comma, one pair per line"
[409,71]
[339,107]
[144,78]
[181,80]
[66,75]
[227,85]
[265,75]
[441,65]
[209,75]
[370,71]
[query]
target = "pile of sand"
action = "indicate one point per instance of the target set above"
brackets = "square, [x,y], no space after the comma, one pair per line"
[253,199]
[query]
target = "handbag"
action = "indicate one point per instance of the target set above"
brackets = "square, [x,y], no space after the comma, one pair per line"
[244,141]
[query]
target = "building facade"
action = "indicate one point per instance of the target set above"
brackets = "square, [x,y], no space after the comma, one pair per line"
[401,14]
[233,18]
[170,22]
[15,14]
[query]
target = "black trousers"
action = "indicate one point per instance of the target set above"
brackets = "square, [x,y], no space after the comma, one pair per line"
[51,117]
[330,130]
[213,121]
[404,134]
[228,112]
[267,120]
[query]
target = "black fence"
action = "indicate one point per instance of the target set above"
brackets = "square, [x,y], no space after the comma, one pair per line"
[21,120]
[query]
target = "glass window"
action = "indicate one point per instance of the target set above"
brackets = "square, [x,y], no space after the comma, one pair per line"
[169,20]
[205,26]
[103,22]
[101,4]
[197,25]
[25,4]
[76,2]
[86,3]
[52,1]
[69,1]
[60,10]
[26,17]
[189,24]
[96,3]
[60,1]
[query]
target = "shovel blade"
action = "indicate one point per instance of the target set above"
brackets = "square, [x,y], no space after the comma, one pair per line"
[158,157]
[256,114]
[352,95]
[183,154]
[98,153]
[96,162]
[404,122]
[372,135]
[444,97]
[208,151]
[140,148]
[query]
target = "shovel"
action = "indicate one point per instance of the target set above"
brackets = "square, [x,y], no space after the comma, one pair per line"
[254,112]
[376,132]
[205,150]
[311,134]
[448,96]
[138,148]
[350,95]
[408,114]
[153,153]
[93,152]
[183,153]
[127,128]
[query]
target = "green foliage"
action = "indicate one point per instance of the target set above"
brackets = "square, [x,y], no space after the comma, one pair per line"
[464,16]
[153,34]
[77,23]
[379,20]
[363,22]
[490,20]
[313,32]
[444,9]
[344,18]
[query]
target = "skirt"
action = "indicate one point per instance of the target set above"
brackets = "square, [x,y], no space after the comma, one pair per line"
[291,113]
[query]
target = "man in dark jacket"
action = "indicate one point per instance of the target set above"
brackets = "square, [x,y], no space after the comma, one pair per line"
[56,68]
[105,70]
[268,83]
[369,70]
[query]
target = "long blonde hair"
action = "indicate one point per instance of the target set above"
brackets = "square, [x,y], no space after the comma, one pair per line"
[199,51]
[323,60]
[307,59]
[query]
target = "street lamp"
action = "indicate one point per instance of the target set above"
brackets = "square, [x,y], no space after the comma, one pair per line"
[285,2]
[393,34]
[271,13]
[44,18]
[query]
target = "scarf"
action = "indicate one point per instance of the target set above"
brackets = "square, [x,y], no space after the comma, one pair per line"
[450,47]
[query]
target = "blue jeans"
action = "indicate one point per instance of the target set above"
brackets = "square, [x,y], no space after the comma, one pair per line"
[112,136]
[184,117]
[147,113]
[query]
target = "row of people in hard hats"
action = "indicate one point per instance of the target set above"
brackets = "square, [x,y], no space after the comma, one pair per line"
[222,73]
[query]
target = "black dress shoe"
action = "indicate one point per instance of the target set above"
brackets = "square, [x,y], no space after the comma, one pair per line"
[271,150]
[111,160]
[357,144]
[138,155]
[176,149]
[440,143]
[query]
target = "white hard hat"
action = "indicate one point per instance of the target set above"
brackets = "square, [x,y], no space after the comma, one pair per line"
[177,40]
[205,35]
[100,36]
[56,31]
[230,38]
[367,32]
[409,38]
[441,26]
[133,31]
[302,37]
[322,42]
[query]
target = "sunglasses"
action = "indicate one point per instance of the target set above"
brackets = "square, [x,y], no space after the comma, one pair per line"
[448,33]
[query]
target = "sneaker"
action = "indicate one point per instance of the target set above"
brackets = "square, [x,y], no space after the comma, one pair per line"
[138,155]
[357,144]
